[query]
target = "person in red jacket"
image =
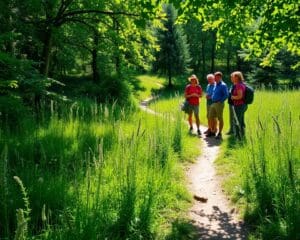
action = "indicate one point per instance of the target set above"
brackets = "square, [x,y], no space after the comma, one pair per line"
[192,93]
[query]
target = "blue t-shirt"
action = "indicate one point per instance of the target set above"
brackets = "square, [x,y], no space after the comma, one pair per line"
[220,93]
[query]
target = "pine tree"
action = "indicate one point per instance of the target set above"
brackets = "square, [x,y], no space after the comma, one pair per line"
[173,57]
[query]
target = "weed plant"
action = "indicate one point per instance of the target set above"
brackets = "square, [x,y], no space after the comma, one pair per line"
[92,171]
[269,183]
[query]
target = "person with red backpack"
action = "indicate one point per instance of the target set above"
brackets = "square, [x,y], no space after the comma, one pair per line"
[193,93]
[239,103]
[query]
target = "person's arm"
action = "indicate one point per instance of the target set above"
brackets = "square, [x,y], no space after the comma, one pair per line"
[225,93]
[192,94]
[200,91]
[239,94]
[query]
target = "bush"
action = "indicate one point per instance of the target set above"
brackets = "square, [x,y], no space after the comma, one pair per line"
[12,112]
[114,88]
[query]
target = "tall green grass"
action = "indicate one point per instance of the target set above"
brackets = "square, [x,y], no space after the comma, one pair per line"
[269,183]
[149,86]
[92,172]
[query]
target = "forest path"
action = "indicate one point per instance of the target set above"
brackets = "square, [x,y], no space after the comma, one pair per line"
[211,214]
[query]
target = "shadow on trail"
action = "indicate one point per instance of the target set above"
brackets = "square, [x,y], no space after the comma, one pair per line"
[212,141]
[225,229]
[233,142]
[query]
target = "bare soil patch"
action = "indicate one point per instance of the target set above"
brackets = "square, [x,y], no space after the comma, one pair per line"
[211,213]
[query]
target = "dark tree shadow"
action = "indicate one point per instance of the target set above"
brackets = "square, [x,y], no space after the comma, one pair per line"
[225,229]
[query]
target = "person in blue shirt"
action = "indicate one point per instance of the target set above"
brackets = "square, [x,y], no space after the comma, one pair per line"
[209,92]
[220,94]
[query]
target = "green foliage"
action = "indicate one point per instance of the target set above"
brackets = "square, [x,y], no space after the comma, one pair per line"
[12,113]
[270,76]
[265,168]
[263,28]
[173,57]
[94,172]
[22,214]
[115,88]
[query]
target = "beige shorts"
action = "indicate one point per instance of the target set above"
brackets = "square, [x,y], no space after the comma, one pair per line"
[216,111]
[207,110]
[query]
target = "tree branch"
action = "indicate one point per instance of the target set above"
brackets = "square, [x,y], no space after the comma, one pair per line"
[67,15]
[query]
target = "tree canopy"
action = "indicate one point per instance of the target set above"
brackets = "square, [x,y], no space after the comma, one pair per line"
[264,27]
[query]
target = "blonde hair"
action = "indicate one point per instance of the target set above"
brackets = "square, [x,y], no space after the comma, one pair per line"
[239,75]
[193,76]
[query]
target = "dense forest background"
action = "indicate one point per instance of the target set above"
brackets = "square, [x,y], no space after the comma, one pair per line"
[68,119]
[50,48]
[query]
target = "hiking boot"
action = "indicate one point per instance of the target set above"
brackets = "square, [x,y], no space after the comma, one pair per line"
[199,132]
[207,131]
[219,136]
[211,134]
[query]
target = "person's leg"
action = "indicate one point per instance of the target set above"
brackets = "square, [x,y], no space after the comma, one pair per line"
[190,120]
[221,124]
[240,125]
[212,116]
[214,128]
[241,118]
[197,121]
[231,121]
[196,114]
[208,119]
[209,122]
[220,108]
[244,125]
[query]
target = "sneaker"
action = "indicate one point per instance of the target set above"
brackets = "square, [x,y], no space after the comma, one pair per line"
[219,136]
[191,129]
[211,134]
[199,132]
[229,133]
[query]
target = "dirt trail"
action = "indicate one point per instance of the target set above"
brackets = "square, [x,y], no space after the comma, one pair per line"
[211,214]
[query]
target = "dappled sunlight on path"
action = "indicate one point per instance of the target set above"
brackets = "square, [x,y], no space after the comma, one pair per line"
[210,217]
[211,214]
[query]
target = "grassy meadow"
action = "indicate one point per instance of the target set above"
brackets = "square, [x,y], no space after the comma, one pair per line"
[90,171]
[263,172]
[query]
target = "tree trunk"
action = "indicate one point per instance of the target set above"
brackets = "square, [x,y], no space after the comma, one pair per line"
[95,59]
[203,57]
[228,59]
[238,61]
[169,76]
[213,51]
[46,52]
[117,53]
